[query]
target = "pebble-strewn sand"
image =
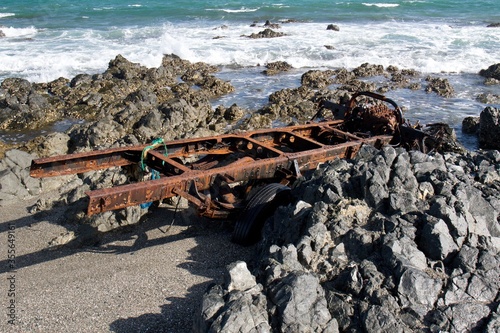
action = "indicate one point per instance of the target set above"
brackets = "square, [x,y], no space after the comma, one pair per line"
[136,280]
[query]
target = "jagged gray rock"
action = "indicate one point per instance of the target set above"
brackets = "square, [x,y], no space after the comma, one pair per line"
[300,306]
[489,128]
[429,268]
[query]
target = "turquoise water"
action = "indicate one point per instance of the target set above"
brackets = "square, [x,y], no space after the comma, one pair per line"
[48,39]
[84,14]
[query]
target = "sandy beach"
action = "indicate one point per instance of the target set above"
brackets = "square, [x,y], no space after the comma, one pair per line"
[145,278]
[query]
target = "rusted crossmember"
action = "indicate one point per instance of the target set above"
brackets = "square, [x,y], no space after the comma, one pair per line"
[190,166]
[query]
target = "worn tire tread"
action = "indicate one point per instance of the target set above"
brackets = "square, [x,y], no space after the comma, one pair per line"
[247,227]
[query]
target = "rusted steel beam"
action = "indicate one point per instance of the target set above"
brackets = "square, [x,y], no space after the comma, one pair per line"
[184,164]
[154,190]
[83,162]
[215,173]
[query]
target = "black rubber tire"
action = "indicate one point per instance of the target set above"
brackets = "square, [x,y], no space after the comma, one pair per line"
[262,204]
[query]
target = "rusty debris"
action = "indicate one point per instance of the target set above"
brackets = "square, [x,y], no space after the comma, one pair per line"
[216,173]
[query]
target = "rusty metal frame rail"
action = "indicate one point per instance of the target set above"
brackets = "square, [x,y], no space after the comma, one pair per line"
[196,163]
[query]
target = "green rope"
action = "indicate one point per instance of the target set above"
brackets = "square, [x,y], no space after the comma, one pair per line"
[155,144]
[155,174]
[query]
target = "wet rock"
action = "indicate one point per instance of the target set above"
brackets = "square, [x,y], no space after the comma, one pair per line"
[343,76]
[277,67]
[444,138]
[124,88]
[267,33]
[333,27]
[180,116]
[287,104]
[440,86]
[23,107]
[491,82]
[272,25]
[493,25]
[489,128]
[317,79]
[258,121]
[123,69]
[234,112]
[488,98]
[470,125]
[367,70]
[491,72]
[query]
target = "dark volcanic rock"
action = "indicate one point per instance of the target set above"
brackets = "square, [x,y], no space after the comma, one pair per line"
[270,25]
[470,125]
[333,27]
[287,103]
[234,112]
[267,33]
[488,98]
[491,72]
[29,106]
[366,70]
[440,86]
[22,106]
[317,79]
[445,138]
[489,128]
[277,67]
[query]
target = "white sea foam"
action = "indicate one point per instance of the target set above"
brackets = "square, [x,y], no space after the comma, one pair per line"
[103,8]
[19,32]
[429,48]
[6,14]
[381,5]
[241,10]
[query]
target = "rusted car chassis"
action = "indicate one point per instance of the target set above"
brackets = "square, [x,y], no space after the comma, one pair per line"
[217,173]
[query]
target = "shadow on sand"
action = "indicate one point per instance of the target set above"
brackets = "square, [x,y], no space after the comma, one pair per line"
[205,259]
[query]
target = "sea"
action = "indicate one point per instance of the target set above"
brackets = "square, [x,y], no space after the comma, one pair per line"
[47,39]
